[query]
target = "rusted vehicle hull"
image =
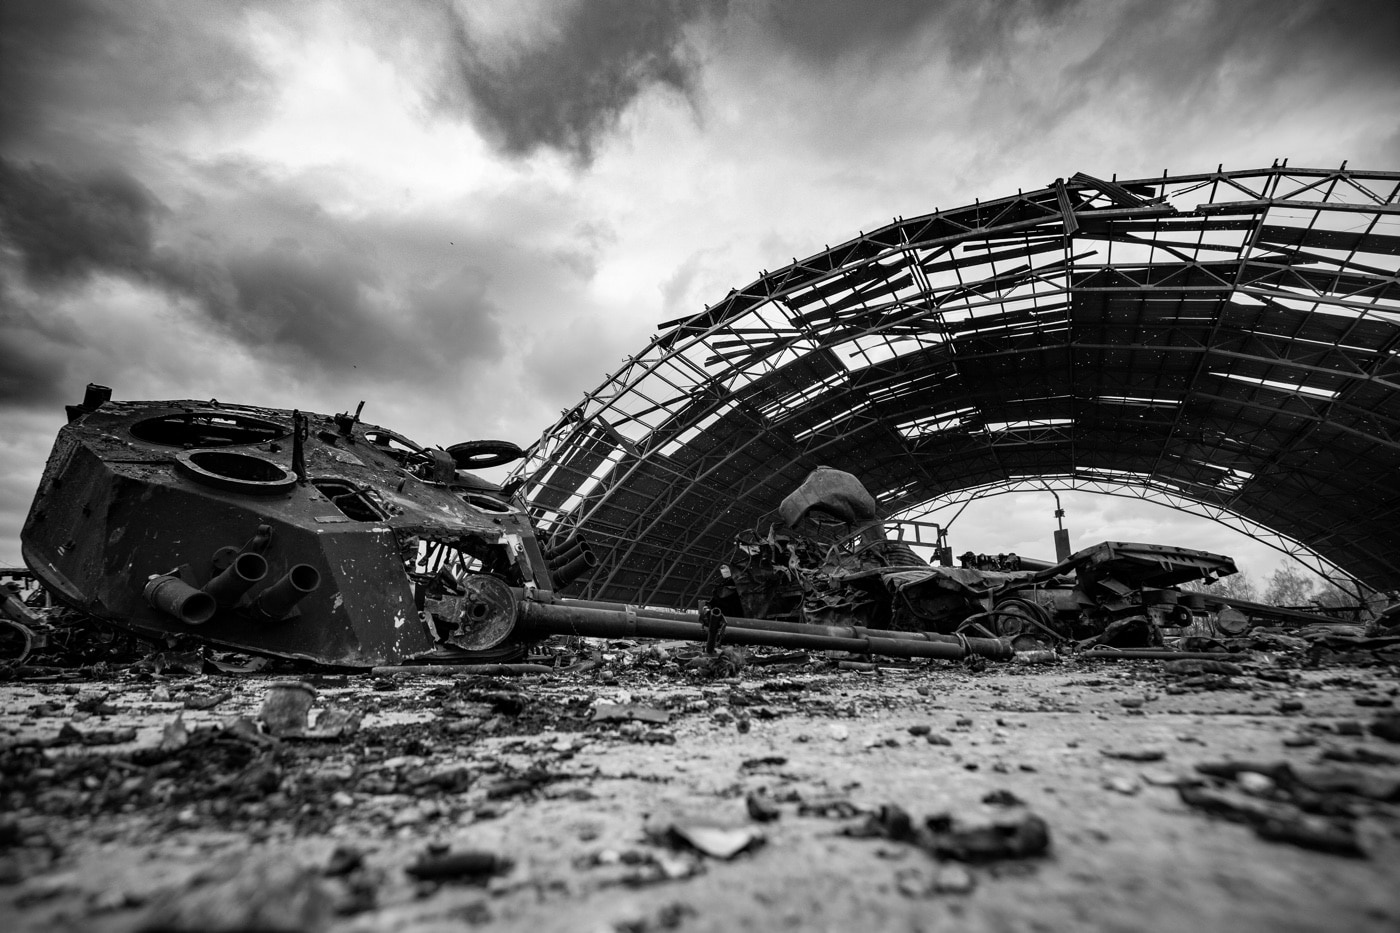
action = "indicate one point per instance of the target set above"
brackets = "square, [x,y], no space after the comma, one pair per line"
[287,534]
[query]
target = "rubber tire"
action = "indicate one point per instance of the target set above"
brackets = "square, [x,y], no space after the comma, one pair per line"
[482,455]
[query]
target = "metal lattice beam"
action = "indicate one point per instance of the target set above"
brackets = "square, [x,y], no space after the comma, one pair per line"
[1227,343]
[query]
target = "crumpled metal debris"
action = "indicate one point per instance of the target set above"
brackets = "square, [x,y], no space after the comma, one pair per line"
[1013,837]
[469,864]
[287,712]
[286,707]
[1009,836]
[16,641]
[727,662]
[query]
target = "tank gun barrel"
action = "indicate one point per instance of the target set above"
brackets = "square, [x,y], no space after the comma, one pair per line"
[607,620]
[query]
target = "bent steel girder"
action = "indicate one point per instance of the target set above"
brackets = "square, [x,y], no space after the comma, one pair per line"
[1228,340]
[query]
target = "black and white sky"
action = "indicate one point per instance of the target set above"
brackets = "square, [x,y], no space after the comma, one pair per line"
[468,213]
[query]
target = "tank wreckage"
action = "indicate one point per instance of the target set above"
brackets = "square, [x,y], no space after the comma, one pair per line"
[328,539]
[832,561]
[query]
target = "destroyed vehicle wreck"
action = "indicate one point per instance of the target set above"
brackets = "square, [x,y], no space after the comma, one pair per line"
[1113,593]
[278,532]
[326,539]
[829,562]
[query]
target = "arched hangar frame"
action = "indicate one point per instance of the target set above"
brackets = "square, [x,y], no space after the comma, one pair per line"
[1229,340]
[942,512]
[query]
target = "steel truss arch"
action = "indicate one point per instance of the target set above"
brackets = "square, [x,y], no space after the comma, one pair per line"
[1228,340]
[1146,492]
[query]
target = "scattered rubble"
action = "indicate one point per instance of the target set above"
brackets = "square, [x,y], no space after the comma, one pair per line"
[1023,836]
[446,773]
[718,842]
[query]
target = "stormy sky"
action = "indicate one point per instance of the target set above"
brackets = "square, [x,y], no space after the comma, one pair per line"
[467,214]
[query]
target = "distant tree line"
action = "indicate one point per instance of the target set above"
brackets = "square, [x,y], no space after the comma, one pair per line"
[1287,586]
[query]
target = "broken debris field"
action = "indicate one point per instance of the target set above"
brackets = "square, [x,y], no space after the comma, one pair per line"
[1261,794]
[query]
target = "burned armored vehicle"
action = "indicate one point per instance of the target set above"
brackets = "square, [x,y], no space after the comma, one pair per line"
[283,533]
[325,538]
[829,562]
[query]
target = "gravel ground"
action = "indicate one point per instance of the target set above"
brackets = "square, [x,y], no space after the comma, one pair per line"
[581,822]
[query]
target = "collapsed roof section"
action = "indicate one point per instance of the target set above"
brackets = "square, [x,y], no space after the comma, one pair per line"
[1227,343]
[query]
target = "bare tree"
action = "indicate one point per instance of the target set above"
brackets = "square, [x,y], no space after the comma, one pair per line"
[1288,586]
[1332,596]
[1235,586]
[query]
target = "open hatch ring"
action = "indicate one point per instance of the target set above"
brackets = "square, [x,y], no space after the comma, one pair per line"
[235,472]
[485,503]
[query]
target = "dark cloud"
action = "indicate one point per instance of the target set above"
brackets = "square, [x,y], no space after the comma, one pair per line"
[1183,49]
[315,293]
[286,299]
[34,373]
[1025,91]
[66,227]
[137,65]
[1168,42]
[1177,49]
[53,340]
[36,41]
[56,232]
[829,33]
[337,311]
[564,87]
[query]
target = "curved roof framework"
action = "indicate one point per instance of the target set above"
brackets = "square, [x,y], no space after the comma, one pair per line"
[1227,343]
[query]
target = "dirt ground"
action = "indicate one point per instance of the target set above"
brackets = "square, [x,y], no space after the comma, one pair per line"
[579,821]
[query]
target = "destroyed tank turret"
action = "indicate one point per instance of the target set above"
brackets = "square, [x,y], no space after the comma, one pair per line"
[278,532]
